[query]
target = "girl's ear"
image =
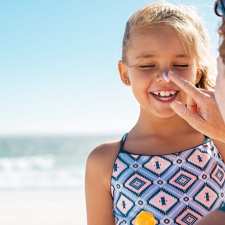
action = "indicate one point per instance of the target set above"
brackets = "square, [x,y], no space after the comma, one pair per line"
[123,73]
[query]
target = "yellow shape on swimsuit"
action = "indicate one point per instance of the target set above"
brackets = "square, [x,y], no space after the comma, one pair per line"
[145,218]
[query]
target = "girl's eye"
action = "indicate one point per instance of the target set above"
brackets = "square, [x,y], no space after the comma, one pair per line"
[150,66]
[181,66]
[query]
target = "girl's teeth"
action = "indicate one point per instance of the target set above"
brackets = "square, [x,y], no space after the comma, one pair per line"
[164,93]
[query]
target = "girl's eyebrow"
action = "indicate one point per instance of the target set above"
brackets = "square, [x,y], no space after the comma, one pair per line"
[181,56]
[147,55]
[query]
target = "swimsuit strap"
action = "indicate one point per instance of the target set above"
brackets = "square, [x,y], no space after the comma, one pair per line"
[206,139]
[222,207]
[122,141]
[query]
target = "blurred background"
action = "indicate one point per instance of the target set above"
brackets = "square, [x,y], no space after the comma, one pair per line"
[60,96]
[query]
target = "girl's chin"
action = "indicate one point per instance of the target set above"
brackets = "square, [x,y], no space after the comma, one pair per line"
[165,113]
[163,109]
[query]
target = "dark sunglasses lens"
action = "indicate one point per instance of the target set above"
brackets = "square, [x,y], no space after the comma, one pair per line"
[220,8]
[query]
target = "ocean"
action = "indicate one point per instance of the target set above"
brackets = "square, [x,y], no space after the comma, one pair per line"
[46,162]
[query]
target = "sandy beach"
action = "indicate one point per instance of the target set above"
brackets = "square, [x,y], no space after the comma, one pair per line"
[41,207]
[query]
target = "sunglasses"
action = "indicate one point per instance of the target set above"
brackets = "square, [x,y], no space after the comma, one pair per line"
[219,8]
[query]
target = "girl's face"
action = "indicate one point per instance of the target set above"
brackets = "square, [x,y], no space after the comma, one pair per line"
[151,52]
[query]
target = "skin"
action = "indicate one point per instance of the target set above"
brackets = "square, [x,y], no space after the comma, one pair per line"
[220,82]
[149,135]
[214,218]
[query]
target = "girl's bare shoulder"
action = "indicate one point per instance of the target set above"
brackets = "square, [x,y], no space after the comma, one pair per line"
[97,184]
[104,153]
[101,159]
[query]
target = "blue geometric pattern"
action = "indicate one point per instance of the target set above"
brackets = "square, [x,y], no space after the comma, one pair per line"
[163,201]
[188,216]
[179,189]
[137,183]
[183,180]
[124,204]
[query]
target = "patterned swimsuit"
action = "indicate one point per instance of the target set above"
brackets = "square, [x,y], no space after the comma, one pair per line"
[178,188]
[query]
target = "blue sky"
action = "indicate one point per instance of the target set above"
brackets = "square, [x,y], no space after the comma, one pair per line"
[58,65]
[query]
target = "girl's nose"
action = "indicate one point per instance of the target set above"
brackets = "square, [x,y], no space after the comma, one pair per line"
[163,74]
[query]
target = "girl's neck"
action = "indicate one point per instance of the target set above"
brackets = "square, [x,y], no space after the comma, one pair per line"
[161,127]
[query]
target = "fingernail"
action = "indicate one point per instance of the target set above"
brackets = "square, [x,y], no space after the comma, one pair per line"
[178,107]
[175,103]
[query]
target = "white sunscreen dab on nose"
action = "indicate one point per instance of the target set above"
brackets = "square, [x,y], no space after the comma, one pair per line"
[165,75]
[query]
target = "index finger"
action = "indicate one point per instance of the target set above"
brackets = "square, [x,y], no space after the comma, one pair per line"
[186,86]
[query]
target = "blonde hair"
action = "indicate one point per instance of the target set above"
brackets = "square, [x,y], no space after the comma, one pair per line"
[188,25]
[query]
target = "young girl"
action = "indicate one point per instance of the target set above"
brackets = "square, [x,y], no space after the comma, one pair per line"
[162,165]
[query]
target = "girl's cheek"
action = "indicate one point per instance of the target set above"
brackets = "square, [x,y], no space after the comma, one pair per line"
[146,76]
[185,74]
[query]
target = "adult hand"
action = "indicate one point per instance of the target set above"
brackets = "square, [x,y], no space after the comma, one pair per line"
[213,218]
[201,110]
[220,84]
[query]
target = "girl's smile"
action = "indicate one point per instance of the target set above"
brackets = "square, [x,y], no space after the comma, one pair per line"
[165,96]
